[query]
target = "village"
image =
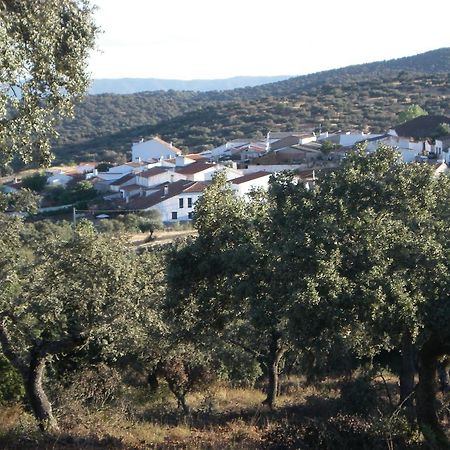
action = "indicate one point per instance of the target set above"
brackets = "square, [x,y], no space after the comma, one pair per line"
[161,177]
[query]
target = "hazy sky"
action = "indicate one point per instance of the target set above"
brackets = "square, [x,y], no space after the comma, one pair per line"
[187,39]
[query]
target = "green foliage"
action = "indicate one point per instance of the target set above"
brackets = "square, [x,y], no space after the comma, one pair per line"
[44,52]
[35,182]
[411,112]
[443,129]
[148,221]
[326,147]
[79,193]
[11,384]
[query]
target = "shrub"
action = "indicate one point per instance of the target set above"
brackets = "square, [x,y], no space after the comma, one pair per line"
[11,386]
[346,432]
[359,396]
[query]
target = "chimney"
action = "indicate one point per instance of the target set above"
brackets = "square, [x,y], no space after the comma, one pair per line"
[95,172]
[171,144]
[166,190]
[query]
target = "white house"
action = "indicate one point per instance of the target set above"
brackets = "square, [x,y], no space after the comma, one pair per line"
[157,175]
[242,186]
[348,139]
[154,148]
[204,171]
[408,147]
[175,201]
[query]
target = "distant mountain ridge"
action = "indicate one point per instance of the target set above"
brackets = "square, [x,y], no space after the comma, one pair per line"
[366,97]
[133,85]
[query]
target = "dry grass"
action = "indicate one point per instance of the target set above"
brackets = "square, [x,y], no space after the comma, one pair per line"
[222,418]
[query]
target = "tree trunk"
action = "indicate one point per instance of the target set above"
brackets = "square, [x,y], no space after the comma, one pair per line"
[426,397]
[407,372]
[275,354]
[37,397]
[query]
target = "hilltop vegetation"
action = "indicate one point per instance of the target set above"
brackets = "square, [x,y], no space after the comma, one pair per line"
[367,96]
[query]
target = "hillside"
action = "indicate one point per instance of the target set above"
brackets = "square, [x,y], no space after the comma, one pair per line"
[368,95]
[133,85]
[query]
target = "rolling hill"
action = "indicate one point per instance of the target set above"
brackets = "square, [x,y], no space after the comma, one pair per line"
[133,85]
[367,96]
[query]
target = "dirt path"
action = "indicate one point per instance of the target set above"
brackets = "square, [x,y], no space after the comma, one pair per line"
[161,237]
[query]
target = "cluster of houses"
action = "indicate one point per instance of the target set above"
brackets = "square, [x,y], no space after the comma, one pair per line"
[159,176]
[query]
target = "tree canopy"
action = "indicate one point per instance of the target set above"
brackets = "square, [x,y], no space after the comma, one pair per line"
[44,48]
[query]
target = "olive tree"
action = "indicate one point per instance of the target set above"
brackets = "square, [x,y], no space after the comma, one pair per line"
[67,294]
[44,49]
[381,223]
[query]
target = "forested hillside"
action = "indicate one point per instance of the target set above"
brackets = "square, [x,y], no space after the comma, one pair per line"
[367,96]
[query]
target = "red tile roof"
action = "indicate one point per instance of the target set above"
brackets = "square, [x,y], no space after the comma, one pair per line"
[152,172]
[196,157]
[123,179]
[198,186]
[250,176]
[173,189]
[196,167]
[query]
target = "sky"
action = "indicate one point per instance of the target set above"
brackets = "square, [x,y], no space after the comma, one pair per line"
[210,39]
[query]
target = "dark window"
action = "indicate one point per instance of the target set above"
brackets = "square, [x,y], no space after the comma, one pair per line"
[190,216]
[189,202]
[180,201]
[174,215]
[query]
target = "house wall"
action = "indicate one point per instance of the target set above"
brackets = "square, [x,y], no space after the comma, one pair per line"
[166,177]
[173,205]
[123,169]
[244,189]
[151,150]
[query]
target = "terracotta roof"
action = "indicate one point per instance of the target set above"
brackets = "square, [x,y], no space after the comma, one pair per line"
[152,172]
[123,179]
[196,157]
[173,189]
[285,142]
[250,176]
[196,167]
[198,186]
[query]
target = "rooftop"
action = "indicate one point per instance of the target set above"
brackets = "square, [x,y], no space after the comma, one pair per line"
[250,176]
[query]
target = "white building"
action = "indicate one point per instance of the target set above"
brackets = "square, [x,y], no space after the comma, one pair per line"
[154,148]
[242,186]
[175,201]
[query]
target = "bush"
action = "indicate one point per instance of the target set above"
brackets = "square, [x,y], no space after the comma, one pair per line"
[346,432]
[359,396]
[11,386]
[35,182]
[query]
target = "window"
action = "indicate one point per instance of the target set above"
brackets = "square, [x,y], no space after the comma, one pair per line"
[181,202]
[174,215]
[189,202]
[190,216]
